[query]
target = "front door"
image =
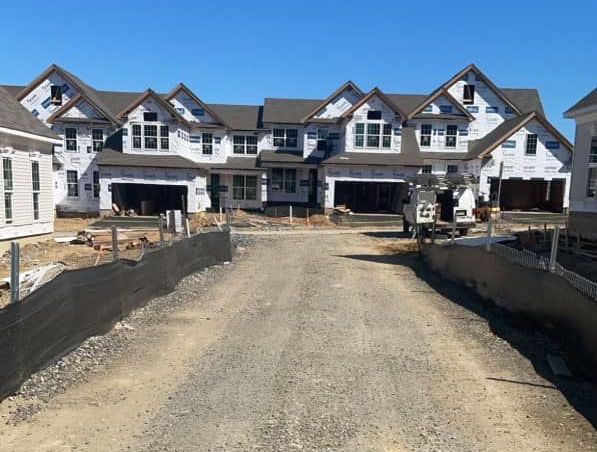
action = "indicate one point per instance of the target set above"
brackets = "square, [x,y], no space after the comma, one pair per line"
[215,191]
[313,187]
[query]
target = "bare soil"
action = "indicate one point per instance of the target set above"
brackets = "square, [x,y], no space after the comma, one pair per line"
[317,342]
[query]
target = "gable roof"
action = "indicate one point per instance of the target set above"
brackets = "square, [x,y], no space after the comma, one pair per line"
[90,94]
[441,92]
[484,146]
[484,78]
[287,111]
[347,85]
[182,87]
[374,92]
[160,100]
[16,117]
[73,102]
[407,102]
[587,101]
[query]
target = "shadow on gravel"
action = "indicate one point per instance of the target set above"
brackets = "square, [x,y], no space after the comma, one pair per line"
[388,234]
[518,332]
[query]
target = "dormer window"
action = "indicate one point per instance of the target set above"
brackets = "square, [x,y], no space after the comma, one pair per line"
[150,116]
[469,95]
[374,114]
[56,95]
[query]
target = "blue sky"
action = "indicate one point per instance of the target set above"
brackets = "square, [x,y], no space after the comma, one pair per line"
[243,51]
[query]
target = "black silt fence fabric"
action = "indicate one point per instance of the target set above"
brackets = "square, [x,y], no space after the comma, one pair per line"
[87,302]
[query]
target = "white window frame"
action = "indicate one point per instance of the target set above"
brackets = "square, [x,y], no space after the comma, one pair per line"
[454,135]
[284,141]
[242,148]
[592,169]
[8,185]
[244,191]
[452,167]
[373,131]
[97,143]
[72,142]
[424,169]
[207,143]
[161,137]
[35,188]
[286,184]
[426,135]
[468,100]
[72,184]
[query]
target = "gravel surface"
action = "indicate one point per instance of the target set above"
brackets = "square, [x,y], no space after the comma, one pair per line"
[306,342]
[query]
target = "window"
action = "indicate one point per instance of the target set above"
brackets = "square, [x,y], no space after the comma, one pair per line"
[426,169]
[97,135]
[286,138]
[373,135]
[198,112]
[509,144]
[150,133]
[531,147]
[452,169]
[56,94]
[284,180]
[244,144]
[492,109]
[244,187]
[446,109]
[473,109]
[72,184]
[426,135]
[428,109]
[592,183]
[35,187]
[71,138]
[469,95]
[96,184]
[150,116]
[164,138]
[451,131]
[180,110]
[207,139]
[593,150]
[136,136]
[322,140]
[8,185]
[374,114]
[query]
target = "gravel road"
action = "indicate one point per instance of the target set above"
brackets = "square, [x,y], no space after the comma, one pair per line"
[305,342]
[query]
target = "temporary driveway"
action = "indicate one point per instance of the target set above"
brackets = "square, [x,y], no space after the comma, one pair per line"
[313,342]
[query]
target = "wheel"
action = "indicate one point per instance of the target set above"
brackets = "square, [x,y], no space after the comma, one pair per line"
[463,232]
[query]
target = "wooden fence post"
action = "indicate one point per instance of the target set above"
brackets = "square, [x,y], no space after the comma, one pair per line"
[15,258]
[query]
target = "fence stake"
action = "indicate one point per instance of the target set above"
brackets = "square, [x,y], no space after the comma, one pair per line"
[114,243]
[221,215]
[161,227]
[290,213]
[228,215]
[308,219]
[489,231]
[187,225]
[15,258]
[453,232]
[554,248]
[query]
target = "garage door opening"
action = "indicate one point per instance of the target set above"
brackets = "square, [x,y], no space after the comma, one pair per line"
[370,197]
[530,194]
[149,199]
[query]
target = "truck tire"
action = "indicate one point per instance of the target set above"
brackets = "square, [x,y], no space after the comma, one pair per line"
[463,232]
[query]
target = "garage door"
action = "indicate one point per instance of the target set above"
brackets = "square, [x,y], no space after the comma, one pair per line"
[530,194]
[149,199]
[368,197]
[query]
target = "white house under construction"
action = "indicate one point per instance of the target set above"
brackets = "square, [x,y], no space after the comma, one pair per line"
[152,151]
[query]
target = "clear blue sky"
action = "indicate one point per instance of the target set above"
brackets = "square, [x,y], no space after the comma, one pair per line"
[241,52]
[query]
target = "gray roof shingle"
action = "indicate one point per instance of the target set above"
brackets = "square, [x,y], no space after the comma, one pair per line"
[239,117]
[110,157]
[14,116]
[588,100]
[288,111]
[526,99]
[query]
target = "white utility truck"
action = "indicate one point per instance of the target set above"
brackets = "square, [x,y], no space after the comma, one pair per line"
[442,203]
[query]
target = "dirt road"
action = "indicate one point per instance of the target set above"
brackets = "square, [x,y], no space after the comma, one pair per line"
[311,342]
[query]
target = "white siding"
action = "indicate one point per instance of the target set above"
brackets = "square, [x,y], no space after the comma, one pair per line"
[340,104]
[23,222]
